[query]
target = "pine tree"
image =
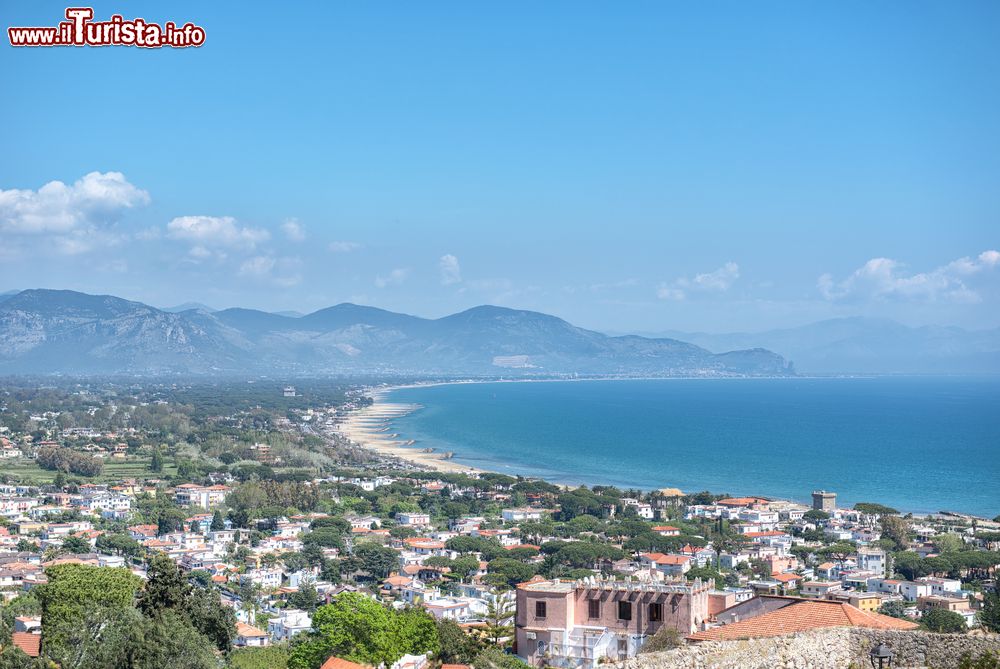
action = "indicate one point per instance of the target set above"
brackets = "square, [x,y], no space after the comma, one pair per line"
[156,462]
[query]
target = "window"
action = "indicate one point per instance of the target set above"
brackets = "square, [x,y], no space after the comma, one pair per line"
[655,613]
[539,609]
[624,610]
[594,608]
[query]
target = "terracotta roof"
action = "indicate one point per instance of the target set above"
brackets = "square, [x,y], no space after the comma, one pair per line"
[800,617]
[30,643]
[785,578]
[660,558]
[337,663]
[244,630]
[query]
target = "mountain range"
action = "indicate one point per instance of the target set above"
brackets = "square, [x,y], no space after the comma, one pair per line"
[62,331]
[867,346]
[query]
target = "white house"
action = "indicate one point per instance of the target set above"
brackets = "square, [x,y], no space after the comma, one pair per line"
[413,519]
[288,623]
[912,590]
[248,636]
[520,515]
[873,560]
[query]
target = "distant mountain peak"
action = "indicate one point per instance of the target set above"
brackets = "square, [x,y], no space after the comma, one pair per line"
[70,332]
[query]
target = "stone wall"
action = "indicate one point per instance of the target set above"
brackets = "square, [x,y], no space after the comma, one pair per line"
[834,648]
[923,649]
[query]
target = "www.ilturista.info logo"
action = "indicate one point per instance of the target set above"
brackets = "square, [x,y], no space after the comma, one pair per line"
[80,30]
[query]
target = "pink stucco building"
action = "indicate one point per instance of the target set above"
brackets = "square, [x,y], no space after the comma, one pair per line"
[576,624]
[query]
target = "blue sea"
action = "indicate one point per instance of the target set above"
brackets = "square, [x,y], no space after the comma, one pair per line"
[917,444]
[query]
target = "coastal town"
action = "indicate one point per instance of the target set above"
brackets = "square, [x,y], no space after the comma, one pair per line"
[270,518]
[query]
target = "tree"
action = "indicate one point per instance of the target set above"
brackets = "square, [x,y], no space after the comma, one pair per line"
[494,658]
[168,640]
[118,544]
[356,628]
[270,657]
[377,560]
[948,543]
[816,514]
[894,608]
[81,605]
[941,620]
[167,590]
[26,546]
[305,598]
[457,647]
[666,638]
[875,509]
[156,461]
[165,587]
[75,545]
[218,523]
[895,529]
[211,618]
[499,621]
[464,566]
[505,571]
[909,564]
[989,616]
[839,551]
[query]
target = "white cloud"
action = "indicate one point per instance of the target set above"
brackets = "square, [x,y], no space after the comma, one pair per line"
[284,272]
[68,219]
[215,232]
[293,230]
[602,287]
[57,208]
[717,281]
[882,279]
[666,292]
[451,271]
[394,277]
[257,266]
[344,247]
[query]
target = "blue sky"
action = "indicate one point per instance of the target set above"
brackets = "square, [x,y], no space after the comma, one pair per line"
[646,166]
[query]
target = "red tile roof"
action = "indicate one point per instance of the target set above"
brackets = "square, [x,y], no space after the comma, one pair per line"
[248,631]
[337,663]
[800,617]
[30,643]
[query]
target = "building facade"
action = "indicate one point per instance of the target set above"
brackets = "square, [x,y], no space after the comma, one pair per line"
[580,624]
[824,500]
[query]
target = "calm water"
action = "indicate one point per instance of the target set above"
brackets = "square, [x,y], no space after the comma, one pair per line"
[918,444]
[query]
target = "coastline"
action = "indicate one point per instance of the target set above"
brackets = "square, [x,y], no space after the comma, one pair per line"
[371,428]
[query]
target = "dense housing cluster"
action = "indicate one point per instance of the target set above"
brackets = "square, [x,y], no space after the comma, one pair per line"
[246,536]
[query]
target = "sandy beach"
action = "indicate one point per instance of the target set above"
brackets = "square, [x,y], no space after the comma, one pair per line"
[370,428]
